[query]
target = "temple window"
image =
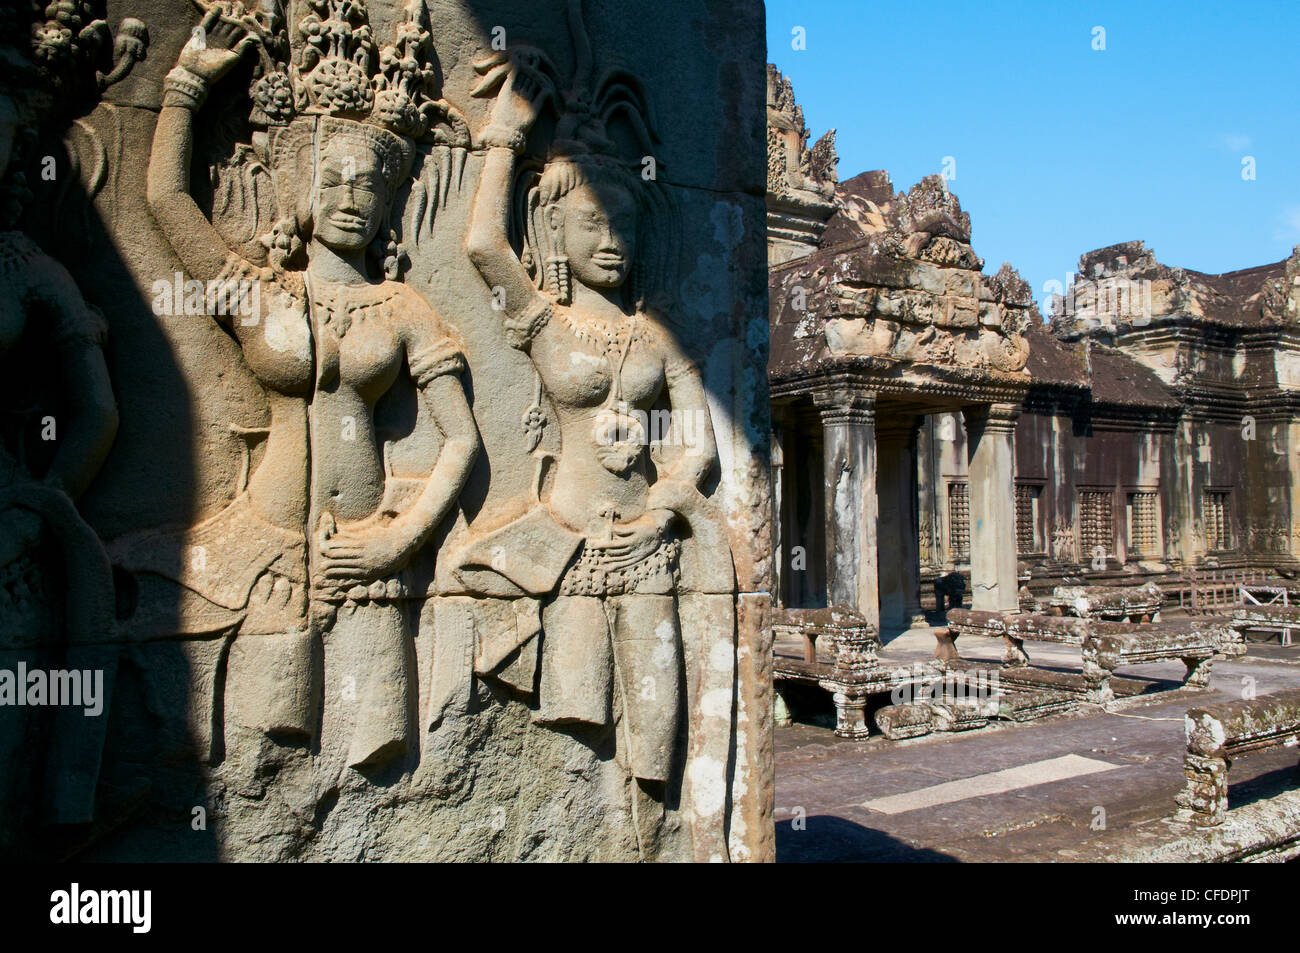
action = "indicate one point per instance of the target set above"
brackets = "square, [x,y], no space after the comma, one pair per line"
[1096,523]
[1143,517]
[959,522]
[1028,539]
[1214,511]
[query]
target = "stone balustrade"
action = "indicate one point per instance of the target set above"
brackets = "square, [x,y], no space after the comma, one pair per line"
[1217,734]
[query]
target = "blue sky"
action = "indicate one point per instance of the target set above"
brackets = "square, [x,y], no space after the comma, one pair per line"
[1060,148]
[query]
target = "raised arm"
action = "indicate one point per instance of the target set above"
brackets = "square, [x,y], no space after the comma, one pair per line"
[523,91]
[201,63]
[487,242]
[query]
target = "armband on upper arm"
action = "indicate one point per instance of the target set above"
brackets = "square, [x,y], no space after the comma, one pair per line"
[520,331]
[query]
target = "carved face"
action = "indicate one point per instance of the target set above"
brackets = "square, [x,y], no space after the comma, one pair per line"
[599,233]
[350,195]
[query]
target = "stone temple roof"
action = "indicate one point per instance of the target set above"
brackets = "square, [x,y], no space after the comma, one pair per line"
[1109,375]
[885,286]
[1123,286]
[862,208]
[894,290]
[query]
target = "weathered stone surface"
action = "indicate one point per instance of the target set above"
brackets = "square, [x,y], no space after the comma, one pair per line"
[963,714]
[1027,706]
[1104,646]
[838,652]
[433,532]
[800,180]
[894,278]
[1218,733]
[898,722]
[1120,603]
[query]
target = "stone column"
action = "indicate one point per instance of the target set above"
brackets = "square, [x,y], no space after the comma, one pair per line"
[927,503]
[849,464]
[900,561]
[778,516]
[1289,438]
[991,450]
[1184,543]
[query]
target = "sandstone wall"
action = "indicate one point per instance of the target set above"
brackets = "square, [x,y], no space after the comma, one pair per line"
[187,772]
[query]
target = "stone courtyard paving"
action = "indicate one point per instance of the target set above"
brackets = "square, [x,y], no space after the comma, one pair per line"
[1019,792]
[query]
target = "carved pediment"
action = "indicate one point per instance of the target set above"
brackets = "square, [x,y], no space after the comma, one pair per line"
[898,282]
[800,179]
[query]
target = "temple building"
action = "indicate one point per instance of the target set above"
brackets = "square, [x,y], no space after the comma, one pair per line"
[929,425]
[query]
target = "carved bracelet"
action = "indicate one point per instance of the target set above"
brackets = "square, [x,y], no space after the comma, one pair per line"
[521,331]
[185,89]
[497,136]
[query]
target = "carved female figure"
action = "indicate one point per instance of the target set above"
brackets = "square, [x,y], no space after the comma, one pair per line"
[611,525]
[49,66]
[36,289]
[321,522]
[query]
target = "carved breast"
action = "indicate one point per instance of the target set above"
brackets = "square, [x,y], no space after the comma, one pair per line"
[277,346]
[370,355]
[578,365]
[358,344]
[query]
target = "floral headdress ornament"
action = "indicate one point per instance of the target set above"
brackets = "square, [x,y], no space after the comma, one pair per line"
[327,76]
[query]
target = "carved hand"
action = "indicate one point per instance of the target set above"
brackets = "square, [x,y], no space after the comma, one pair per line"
[276,605]
[217,45]
[520,79]
[359,556]
[634,540]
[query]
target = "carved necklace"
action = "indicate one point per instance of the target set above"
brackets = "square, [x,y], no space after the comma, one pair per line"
[16,251]
[617,435]
[336,308]
[600,334]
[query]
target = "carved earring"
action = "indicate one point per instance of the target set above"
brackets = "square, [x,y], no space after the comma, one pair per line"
[638,286]
[559,278]
[395,258]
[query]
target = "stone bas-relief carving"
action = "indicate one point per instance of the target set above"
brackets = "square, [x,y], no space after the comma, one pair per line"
[603,541]
[312,550]
[56,595]
[454,578]
[573,594]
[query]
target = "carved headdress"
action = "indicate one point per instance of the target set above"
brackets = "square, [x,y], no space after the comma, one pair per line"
[322,76]
[55,59]
[336,81]
[604,132]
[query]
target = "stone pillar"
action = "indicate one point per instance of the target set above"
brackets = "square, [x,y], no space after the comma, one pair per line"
[849,464]
[900,562]
[991,450]
[927,504]
[1183,542]
[778,516]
